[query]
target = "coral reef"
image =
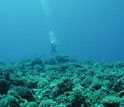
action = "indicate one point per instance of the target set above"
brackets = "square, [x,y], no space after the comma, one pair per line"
[61,82]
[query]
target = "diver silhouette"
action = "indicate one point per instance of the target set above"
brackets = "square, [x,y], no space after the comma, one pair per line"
[53,43]
[46,6]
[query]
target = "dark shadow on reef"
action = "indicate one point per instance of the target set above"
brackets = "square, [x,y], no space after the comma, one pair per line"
[61,82]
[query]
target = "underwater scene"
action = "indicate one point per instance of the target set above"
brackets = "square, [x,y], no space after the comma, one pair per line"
[61,53]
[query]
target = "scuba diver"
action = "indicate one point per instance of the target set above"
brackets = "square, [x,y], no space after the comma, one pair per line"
[53,43]
[48,10]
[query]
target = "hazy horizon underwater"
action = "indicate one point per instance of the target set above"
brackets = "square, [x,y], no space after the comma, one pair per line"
[61,53]
[84,29]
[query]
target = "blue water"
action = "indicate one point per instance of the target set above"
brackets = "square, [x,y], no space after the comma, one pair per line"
[85,29]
